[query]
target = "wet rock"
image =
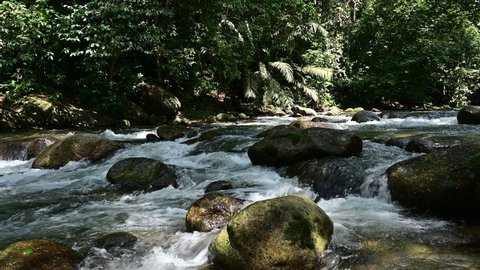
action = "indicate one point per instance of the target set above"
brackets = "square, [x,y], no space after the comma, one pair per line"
[25,148]
[158,101]
[444,181]
[420,146]
[141,174]
[38,255]
[365,116]
[218,185]
[398,142]
[329,178]
[320,120]
[310,124]
[212,211]
[152,138]
[74,148]
[469,115]
[333,111]
[116,240]
[284,145]
[173,132]
[289,232]
[303,111]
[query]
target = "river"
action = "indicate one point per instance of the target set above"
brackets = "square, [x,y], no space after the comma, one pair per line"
[75,204]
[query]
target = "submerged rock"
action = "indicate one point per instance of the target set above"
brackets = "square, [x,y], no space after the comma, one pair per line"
[142,174]
[469,115]
[116,240]
[38,255]
[365,116]
[446,181]
[289,232]
[25,148]
[285,145]
[74,148]
[212,211]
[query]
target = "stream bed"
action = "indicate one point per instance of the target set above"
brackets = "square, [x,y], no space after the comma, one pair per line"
[75,204]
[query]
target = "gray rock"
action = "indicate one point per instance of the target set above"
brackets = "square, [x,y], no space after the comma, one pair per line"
[365,116]
[141,174]
[283,145]
[116,240]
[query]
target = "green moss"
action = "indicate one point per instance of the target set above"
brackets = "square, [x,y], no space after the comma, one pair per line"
[299,233]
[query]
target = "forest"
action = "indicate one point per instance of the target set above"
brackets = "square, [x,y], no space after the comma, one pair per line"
[277,53]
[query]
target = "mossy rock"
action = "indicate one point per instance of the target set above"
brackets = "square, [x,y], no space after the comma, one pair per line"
[74,148]
[25,148]
[446,182]
[365,116]
[212,211]
[141,174]
[289,232]
[286,145]
[38,255]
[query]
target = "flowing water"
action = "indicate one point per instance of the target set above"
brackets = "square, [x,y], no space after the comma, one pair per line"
[75,204]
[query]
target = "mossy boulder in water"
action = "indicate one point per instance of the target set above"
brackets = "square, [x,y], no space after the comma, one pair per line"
[211,211]
[285,145]
[365,116]
[141,174]
[74,148]
[289,232]
[446,182]
[25,148]
[469,115]
[38,255]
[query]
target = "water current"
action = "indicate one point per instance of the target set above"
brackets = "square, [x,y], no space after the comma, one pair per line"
[75,204]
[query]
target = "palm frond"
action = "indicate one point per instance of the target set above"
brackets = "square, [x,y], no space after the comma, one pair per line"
[285,69]
[322,72]
[310,92]
[232,27]
[264,74]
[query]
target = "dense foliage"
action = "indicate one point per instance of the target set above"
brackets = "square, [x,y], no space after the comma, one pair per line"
[271,52]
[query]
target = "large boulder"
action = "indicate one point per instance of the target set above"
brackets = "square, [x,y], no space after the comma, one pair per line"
[330,177]
[365,116]
[25,148]
[303,111]
[141,174]
[446,181]
[286,145]
[469,115]
[158,101]
[38,255]
[212,211]
[37,111]
[76,147]
[289,232]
